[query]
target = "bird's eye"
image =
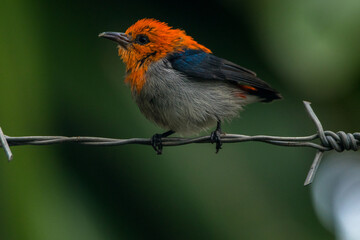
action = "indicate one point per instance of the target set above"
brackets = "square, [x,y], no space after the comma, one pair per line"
[142,39]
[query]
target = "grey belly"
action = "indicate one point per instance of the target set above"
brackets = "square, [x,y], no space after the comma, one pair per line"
[186,106]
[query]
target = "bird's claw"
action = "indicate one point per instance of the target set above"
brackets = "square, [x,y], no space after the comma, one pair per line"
[215,138]
[156,143]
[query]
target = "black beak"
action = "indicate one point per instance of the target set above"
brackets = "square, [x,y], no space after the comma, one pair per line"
[121,38]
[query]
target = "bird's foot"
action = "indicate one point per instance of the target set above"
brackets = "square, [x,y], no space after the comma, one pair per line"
[156,143]
[215,138]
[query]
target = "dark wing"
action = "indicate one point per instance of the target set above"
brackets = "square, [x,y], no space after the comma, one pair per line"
[201,65]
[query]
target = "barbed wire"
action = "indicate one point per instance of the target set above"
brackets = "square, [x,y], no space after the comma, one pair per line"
[329,140]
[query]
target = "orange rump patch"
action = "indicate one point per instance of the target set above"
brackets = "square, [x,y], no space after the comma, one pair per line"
[247,88]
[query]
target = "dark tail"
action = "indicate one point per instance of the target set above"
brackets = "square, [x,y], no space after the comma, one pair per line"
[265,92]
[268,95]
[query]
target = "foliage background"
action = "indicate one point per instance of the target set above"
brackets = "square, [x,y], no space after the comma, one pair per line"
[58,78]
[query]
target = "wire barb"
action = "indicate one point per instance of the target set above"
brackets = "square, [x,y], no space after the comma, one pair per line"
[5,145]
[329,140]
[339,141]
[314,166]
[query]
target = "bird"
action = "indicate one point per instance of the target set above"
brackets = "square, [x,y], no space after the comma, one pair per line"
[180,85]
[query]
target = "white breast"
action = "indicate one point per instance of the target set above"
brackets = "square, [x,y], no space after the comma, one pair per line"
[184,105]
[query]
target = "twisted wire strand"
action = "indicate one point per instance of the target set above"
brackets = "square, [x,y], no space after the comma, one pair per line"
[329,140]
[339,141]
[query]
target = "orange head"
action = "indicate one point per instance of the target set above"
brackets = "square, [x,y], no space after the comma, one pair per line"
[148,41]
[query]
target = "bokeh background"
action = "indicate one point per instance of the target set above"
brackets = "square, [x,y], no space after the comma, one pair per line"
[58,78]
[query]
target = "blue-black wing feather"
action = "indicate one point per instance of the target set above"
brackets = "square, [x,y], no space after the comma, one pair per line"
[200,65]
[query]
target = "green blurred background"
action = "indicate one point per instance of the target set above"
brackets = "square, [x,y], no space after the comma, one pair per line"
[58,78]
